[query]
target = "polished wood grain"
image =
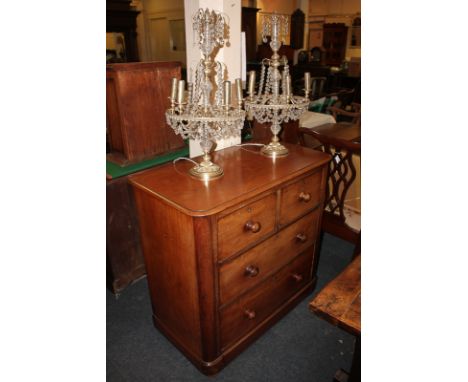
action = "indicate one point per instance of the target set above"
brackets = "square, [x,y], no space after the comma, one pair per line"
[246,225]
[137,99]
[301,196]
[331,132]
[196,236]
[255,265]
[339,302]
[124,256]
[171,268]
[251,309]
[246,173]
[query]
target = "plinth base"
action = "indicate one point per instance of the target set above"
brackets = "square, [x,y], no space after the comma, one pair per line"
[274,149]
[206,172]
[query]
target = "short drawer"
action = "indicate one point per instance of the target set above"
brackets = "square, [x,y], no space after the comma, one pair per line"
[299,197]
[259,262]
[250,310]
[246,225]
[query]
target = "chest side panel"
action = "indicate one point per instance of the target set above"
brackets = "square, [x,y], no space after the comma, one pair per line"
[169,250]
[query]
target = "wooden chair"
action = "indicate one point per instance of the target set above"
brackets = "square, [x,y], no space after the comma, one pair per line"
[317,85]
[341,174]
[342,115]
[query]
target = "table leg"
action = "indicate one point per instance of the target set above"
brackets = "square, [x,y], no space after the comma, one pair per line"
[355,374]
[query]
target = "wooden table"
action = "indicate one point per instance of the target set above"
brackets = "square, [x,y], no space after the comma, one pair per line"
[342,131]
[340,304]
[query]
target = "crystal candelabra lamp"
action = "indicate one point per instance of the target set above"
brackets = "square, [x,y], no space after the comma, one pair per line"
[274,102]
[206,112]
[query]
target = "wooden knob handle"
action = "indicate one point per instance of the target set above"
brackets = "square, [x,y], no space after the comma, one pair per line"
[301,237]
[251,271]
[304,197]
[250,314]
[252,226]
[297,277]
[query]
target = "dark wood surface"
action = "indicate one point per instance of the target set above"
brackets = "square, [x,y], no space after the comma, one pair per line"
[334,42]
[227,259]
[124,256]
[122,17]
[249,26]
[339,302]
[342,142]
[340,131]
[137,97]
[297,29]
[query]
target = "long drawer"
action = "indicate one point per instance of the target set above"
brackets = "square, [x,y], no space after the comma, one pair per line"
[258,263]
[250,310]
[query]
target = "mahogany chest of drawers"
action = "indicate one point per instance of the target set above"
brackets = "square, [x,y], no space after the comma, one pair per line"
[226,259]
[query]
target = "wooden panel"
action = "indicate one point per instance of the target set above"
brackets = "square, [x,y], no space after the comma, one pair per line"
[113,117]
[334,42]
[249,26]
[250,310]
[301,196]
[169,249]
[124,255]
[136,105]
[246,226]
[255,265]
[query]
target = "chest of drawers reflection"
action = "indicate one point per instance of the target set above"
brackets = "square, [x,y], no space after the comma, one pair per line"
[227,259]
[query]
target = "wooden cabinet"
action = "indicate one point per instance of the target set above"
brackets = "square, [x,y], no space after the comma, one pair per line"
[297,29]
[334,43]
[124,258]
[249,26]
[121,16]
[227,259]
[137,99]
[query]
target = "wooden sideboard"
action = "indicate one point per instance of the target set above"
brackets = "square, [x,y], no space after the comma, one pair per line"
[226,259]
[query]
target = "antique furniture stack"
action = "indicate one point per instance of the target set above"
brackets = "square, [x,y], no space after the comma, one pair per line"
[137,96]
[227,258]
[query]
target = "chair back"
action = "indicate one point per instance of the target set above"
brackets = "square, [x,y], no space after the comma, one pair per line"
[317,85]
[341,115]
[341,174]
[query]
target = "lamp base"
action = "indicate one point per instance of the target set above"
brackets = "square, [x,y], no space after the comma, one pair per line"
[206,171]
[274,149]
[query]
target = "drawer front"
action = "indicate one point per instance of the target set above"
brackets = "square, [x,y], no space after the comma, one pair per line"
[256,264]
[299,197]
[246,225]
[250,310]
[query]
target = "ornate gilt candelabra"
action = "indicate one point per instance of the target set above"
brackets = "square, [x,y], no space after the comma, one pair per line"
[206,113]
[268,104]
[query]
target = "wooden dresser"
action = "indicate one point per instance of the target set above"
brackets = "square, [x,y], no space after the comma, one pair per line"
[226,259]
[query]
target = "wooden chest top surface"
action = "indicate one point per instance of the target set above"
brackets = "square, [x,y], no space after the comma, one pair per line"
[246,173]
